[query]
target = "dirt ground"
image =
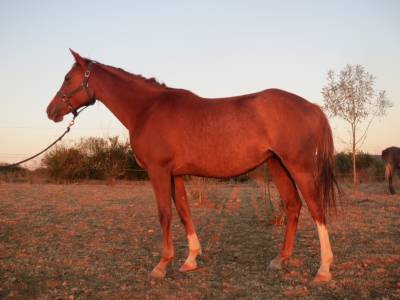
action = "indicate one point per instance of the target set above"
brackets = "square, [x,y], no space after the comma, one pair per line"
[93,241]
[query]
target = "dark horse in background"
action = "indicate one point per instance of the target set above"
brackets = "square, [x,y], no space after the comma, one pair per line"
[174,132]
[391,156]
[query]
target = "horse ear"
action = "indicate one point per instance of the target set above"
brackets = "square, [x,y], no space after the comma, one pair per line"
[79,59]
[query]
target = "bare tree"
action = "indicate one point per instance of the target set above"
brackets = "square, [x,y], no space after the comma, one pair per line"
[351,96]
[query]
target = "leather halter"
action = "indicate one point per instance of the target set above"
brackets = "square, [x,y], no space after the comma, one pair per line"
[66,97]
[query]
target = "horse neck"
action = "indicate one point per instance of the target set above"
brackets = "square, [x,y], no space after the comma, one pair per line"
[126,98]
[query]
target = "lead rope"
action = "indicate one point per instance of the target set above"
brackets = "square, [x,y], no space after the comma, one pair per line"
[49,146]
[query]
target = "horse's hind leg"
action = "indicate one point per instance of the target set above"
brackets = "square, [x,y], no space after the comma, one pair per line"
[288,191]
[305,182]
[182,207]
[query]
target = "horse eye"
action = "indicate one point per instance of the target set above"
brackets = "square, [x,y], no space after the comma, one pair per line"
[67,78]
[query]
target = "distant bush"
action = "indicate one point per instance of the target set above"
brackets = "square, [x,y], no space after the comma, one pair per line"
[64,163]
[369,167]
[93,158]
[378,169]
[363,160]
[105,158]
[13,174]
[343,163]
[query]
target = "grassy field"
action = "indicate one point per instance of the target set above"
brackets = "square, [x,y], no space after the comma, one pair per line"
[93,241]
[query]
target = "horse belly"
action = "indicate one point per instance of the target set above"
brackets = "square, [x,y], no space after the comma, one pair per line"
[226,160]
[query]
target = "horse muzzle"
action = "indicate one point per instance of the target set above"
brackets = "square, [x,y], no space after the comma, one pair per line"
[54,114]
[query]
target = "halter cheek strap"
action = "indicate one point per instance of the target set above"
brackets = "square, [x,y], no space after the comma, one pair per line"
[66,97]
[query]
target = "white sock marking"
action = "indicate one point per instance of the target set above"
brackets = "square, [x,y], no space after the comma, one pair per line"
[194,248]
[194,243]
[326,251]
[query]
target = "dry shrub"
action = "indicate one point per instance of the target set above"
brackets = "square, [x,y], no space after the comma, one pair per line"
[369,167]
[92,158]
[65,164]
[13,174]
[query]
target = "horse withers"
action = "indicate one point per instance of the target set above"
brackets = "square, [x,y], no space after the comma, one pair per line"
[174,132]
[391,156]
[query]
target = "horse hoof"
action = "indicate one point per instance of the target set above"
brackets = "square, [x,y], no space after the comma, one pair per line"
[275,264]
[323,277]
[187,267]
[158,273]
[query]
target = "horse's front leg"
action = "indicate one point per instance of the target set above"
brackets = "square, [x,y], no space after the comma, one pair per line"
[389,176]
[161,182]
[182,207]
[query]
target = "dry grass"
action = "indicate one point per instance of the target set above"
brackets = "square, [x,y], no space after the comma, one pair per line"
[100,242]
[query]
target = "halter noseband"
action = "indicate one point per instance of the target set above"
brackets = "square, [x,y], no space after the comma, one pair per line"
[66,97]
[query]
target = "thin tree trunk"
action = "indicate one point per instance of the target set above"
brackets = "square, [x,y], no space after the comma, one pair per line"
[355,179]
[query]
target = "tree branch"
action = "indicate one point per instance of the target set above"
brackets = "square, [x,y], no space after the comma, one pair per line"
[363,137]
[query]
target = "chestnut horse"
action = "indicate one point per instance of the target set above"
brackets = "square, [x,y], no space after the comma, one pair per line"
[174,132]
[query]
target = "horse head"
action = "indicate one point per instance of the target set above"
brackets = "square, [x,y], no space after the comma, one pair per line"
[74,92]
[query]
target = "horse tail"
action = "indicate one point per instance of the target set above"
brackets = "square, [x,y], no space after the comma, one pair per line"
[325,180]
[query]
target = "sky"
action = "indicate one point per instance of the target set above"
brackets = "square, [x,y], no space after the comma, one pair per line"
[213,48]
